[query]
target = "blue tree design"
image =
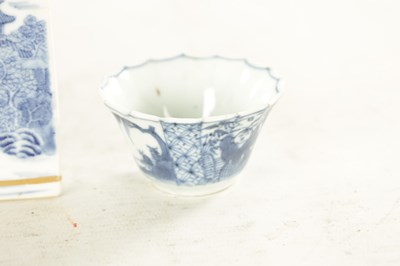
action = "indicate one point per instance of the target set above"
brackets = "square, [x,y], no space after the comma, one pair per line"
[236,146]
[160,164]
[25,95]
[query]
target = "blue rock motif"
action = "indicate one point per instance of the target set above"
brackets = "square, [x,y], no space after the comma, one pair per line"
[22,143]
[26,114]
[198,153]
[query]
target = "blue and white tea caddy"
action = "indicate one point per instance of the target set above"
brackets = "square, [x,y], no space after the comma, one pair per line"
[28,151]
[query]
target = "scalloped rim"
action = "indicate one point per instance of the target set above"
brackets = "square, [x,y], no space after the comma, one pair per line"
[144,116]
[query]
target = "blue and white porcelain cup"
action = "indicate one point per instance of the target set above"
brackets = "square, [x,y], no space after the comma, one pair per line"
[191,122]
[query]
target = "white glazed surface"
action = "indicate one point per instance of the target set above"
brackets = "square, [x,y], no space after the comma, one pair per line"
[206,88]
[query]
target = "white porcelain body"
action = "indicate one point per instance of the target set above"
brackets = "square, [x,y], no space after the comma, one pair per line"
[191,122]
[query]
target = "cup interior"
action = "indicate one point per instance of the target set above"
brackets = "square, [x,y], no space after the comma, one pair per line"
[185,87]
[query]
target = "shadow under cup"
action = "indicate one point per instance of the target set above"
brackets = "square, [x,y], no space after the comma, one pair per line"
[191,123]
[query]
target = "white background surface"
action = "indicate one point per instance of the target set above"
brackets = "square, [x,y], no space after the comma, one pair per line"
[321,188]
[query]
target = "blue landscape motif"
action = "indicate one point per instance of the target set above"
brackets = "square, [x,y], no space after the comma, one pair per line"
[198,153]
[26,128]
